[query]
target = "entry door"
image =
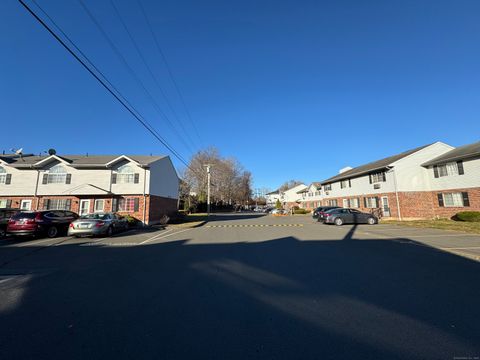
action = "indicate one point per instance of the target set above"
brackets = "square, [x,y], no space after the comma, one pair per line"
[26,205]
[385,207]
[84,207]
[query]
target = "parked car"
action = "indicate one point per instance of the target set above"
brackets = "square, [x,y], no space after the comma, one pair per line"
[97,224]
[5,215]
[349,216]
[278,212]
[322,210]
[267,210]
[46,222]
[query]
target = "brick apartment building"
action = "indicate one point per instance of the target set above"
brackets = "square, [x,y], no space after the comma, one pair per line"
[145,187]
[434,180]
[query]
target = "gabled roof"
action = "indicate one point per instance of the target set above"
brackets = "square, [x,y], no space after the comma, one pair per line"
[303,190]
[373,166]
[77,161]
[459,153]
[273,192]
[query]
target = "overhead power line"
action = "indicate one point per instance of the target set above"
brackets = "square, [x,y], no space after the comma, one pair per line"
[152,75]
[102,80]
[169,69]
[132,72]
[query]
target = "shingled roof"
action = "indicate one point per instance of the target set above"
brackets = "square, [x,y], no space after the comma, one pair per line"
[371,167]
[459,153]
[76,161]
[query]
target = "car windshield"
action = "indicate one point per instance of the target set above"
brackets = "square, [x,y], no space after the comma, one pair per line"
[97,216]
[24,215]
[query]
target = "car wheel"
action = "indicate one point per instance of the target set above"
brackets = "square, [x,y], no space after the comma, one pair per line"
[371,221]
[338,222]
[52,232]
[109,231]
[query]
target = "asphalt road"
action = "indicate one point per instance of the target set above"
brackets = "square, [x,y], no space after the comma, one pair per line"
[243,287]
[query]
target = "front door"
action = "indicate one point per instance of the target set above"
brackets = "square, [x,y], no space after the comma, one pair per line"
[385,207]
[84,207]
[26,205]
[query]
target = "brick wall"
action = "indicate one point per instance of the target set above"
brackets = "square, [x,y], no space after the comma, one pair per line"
[158,206]
[16,201]
[447,212]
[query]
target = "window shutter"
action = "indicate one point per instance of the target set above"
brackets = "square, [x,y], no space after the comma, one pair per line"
[114,205]
[8,179]
[45,204]
[466,201]
[440,199]
[358,203]
[136,178]
[377,202]
[384,176]
[68,179]
[68,204]
[459,166]
[370,178]
[435,171]
[114,178]
[9,203]
[349,183]
[136,204]
[45,179]
[364,202]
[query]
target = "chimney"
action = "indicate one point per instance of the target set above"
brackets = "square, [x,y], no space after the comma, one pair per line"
[346,168]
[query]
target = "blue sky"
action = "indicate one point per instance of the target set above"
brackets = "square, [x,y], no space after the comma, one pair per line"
[293,89]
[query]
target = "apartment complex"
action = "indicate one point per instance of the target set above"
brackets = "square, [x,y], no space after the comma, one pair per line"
[145,187]
[435,180]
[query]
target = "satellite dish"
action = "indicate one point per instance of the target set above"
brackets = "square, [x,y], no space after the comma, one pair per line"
[19,151]
[52,151]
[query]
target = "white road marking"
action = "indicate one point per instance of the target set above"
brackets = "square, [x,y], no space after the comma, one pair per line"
[155,236]
[163,237]
[39,242]
[461,248]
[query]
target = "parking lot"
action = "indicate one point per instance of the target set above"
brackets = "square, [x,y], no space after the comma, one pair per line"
[243,286]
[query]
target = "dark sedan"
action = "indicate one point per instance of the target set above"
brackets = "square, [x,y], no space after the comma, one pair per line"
[319,213]
[349,216]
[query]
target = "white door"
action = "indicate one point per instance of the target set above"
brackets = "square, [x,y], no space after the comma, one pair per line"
[26,205]
[385,207]
[84,207]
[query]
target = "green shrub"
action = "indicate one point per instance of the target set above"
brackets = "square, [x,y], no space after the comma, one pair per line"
[470,216]
[300,211]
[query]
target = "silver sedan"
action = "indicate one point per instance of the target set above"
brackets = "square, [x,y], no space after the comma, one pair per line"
[97,224]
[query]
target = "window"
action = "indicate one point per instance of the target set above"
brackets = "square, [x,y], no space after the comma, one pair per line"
[351,203]
[345,183]
[3,203]
[125,175]
[377,177]
[57,204]
[328,187]
[345,203]
[455,199]
[57,175]
[128,204]
[99,205]
[448,169]
[332,202]
[3,175]
[371,202]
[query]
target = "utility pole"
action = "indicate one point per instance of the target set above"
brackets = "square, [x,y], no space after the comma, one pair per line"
[208,189]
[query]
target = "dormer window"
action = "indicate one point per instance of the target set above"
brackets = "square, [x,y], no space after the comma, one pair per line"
[125,175]
[448,169]
[56,175]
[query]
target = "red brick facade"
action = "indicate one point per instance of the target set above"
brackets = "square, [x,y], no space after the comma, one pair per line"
[417,204]
[155,206]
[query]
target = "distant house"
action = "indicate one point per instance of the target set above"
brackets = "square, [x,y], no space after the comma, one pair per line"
[291,197]
[145,187]
[434,180]
[311,196]
[272,197]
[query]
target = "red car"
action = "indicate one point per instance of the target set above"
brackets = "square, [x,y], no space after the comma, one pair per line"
[46,222]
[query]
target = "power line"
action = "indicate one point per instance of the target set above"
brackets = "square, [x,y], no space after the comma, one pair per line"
[164,58]
[116,94]
[140,54]
[131,71]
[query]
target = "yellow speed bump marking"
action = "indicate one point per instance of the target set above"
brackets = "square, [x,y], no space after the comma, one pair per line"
[253,225]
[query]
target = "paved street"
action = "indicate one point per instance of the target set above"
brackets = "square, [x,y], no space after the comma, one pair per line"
[243,286]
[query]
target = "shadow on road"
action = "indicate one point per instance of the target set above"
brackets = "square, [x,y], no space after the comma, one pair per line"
[279,299]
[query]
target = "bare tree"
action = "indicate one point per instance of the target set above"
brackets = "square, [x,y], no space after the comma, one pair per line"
[290,184]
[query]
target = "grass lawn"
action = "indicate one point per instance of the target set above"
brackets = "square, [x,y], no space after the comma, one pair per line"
[444,224]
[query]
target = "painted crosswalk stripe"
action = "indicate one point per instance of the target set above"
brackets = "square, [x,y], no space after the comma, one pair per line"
[253,225]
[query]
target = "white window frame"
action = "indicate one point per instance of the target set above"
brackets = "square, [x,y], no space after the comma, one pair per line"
[125,174]
[328,187]
[448,169]
[57,175]
[125,203]
[97,201]
[370,200]
[3,203]
[377,177]
[3,175]
[454,199]
[26,201]
[61,204]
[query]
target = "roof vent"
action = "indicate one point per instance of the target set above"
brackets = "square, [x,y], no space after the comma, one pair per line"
[341,171]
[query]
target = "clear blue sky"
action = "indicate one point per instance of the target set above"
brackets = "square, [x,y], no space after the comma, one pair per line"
[293,89]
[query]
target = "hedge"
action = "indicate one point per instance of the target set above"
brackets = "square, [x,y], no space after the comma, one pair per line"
[300,211]
[470,216]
